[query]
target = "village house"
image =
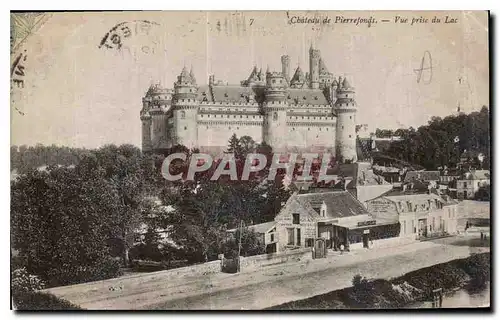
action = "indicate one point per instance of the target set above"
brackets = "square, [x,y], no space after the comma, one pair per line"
[336,217]
[357,178]
[470,182]
[420,215]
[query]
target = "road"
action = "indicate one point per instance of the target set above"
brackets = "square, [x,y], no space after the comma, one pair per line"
[268,286]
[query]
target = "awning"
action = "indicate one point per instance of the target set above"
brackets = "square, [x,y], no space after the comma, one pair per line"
[354,226]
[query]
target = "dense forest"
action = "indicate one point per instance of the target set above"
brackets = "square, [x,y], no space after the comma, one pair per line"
[444,141]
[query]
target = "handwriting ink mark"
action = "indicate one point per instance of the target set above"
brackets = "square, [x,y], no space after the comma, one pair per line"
[20,112]
[20,83]
[16,64]
[251,21]
[424,67]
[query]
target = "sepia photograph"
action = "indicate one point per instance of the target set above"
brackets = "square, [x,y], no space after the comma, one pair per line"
[250,160]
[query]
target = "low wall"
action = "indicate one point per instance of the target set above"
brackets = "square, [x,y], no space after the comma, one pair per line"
[256,262]
[125,281]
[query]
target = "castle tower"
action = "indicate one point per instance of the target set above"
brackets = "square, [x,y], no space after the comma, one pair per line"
[346,108]
[275,106]
[285,67]
[185,110]
[155,106]
[314,57]
[147,146]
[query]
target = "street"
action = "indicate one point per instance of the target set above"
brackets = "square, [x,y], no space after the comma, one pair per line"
[268,286]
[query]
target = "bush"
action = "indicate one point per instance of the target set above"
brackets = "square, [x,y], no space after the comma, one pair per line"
[40,301]
[105,269]
[22,281]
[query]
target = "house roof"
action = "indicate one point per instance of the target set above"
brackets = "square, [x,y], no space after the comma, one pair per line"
[478,175]
[339,204]
[258,228]
[415,198]
[422,175]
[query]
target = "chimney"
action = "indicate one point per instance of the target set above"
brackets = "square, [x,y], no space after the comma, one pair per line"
[285,67]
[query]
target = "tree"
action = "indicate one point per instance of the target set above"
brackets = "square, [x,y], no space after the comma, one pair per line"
[60,222]
[123,168]
[483,193]
[234,147]
[251,244]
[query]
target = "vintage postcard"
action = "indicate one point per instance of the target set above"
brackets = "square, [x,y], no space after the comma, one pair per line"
[250,160]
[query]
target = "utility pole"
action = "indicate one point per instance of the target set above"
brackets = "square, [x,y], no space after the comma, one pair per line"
[239,244]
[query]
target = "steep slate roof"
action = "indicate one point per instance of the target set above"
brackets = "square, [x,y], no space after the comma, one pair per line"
[339,204]
[204,92]
[233,93]
[306,96]
[422,175]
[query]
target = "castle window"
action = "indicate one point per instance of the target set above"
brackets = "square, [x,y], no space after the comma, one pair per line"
[225,95]
[315,98]
[350,117]
[229,128]
[326,129]
[241,116]
[308,129]
[304,97]
[293,129]
[275,116]
[185,128]
[342,127]
[208,116]
[274,80]
[349,136]
[237,128]
[183,114]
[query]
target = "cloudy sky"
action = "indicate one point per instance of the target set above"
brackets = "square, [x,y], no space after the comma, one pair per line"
[80,95]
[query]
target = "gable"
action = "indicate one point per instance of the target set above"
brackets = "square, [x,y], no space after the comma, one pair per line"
[295,207]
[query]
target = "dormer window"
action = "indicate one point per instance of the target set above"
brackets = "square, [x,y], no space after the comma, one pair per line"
[322,211]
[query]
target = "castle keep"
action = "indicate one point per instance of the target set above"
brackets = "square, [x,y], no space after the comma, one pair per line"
[306,112]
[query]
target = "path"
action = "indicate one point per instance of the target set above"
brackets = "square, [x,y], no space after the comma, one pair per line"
[268,286]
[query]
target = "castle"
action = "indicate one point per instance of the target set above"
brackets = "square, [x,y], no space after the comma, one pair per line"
[307,112]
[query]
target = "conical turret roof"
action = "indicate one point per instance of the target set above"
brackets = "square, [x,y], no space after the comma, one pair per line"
[322,67]
[298,76]
[184,77]
[346,84]
[191,74]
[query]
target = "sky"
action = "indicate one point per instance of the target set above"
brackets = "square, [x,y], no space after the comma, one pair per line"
[81,95]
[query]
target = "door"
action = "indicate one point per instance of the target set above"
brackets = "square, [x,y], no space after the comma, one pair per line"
[319,249]
[365,240]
